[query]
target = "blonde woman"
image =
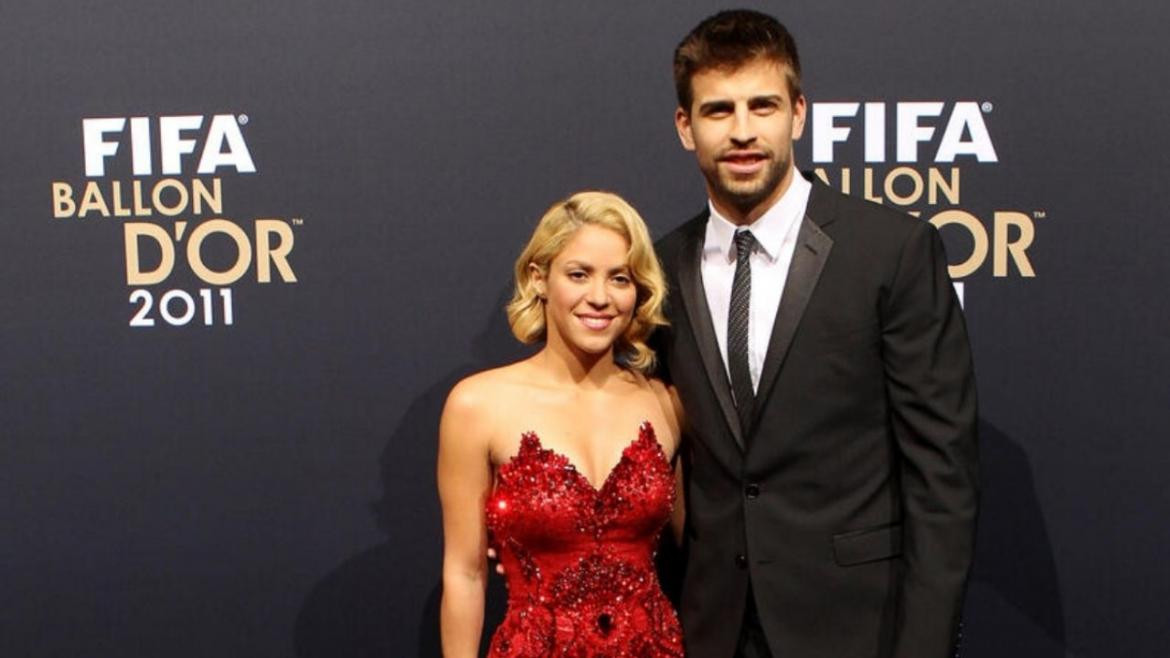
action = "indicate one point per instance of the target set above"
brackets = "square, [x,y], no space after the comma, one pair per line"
[564,462]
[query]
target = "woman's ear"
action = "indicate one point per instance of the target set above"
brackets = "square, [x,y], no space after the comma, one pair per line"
[538,281]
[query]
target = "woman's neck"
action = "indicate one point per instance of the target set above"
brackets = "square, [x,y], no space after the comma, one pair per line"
[569,366]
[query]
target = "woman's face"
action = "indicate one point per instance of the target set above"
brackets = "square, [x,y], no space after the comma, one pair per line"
[590,292]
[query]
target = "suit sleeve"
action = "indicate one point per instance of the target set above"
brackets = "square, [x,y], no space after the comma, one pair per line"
[931,388]
[659,341]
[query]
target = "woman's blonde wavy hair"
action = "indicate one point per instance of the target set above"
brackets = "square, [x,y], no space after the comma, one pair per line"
[558,225]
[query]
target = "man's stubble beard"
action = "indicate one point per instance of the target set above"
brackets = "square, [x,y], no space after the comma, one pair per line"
[746,196]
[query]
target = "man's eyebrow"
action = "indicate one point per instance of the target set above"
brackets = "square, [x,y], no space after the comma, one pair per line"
[721,104]
[725,104]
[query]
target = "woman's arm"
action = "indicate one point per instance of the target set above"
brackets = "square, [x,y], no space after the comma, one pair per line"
[465,478]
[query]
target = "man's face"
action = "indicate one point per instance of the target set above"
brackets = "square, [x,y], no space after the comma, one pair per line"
[741,126]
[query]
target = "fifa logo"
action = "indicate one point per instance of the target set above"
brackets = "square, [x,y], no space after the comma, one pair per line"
[223,147]
[964,134]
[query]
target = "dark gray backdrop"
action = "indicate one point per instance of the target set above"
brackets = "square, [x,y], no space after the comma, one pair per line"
[266,488]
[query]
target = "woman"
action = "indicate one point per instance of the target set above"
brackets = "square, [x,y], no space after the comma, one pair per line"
[565,459]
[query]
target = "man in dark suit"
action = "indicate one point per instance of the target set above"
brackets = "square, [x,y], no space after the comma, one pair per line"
[823,362]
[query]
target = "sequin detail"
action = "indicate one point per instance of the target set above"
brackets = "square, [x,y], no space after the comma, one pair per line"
[580,559]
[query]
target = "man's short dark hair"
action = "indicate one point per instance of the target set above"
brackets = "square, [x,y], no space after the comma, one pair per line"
[729,40]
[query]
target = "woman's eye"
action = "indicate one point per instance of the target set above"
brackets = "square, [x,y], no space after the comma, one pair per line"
[577,275]
[622,279]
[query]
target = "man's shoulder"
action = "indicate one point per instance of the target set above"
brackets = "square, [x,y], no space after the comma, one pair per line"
[861,217]
[679,235]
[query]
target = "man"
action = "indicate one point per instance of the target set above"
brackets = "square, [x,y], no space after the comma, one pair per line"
[823,363]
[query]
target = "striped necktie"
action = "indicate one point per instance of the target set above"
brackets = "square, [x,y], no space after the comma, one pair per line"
[738,321]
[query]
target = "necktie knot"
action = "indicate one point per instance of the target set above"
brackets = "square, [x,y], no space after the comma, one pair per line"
[745,242]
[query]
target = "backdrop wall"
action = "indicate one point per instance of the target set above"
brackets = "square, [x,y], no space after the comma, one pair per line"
[247,247]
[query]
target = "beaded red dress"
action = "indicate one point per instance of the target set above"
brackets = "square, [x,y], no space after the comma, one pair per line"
[579,560]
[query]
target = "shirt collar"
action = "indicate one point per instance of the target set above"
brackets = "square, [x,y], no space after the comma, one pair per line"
[770,229]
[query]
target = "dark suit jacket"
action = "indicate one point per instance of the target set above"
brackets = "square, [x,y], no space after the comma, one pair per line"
[850,503]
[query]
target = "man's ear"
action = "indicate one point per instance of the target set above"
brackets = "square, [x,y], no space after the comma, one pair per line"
[682,123]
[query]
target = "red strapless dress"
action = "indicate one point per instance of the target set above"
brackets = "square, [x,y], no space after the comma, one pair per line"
[580,560]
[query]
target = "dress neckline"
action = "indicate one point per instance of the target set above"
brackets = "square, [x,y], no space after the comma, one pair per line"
[530,440]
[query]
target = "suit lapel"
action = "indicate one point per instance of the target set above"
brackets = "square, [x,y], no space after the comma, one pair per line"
[808,260]
[694,299]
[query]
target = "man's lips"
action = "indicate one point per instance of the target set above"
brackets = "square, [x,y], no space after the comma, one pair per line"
[744,162]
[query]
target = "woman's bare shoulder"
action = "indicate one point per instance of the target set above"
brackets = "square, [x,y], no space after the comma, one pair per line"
[482,391]
[669,401]
[480,408]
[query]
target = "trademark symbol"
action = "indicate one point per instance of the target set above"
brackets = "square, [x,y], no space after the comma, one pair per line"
[242,119]
[987,107]
[297,221]
[1039,214]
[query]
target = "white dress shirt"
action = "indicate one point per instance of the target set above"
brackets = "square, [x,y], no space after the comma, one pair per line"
[775,232]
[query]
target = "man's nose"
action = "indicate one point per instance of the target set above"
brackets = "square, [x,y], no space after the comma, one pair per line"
[742,131]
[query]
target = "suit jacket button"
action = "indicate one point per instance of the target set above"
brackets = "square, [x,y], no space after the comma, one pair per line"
[751,491]
[741,561]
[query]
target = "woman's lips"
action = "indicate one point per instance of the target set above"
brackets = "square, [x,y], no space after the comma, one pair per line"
[595,322]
